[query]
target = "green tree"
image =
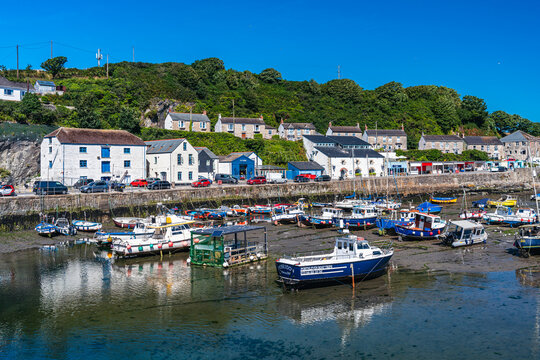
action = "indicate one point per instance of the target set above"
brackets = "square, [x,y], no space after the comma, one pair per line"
[54,65]
[473,110]
[87,117]
[270,76]
[344,90]
[128,120]
[31,107]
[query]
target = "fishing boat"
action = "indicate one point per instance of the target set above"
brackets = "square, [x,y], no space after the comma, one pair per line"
[289,215]
[463,233]
[498,216]
[352,258]
[429,208]
[236,210]
[83,225]
[170,237]
[326,218]
[348,204]
[424,227]
[472,214]
[527,239]
[384,204]
[64,227]
[522,216]
[507,200]
[403,217]
[361,216]
[481,204]
[443,200]
[126,222]
[46,227]
[260,209]
[320,204]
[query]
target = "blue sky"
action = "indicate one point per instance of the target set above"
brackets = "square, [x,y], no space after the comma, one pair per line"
[484,48]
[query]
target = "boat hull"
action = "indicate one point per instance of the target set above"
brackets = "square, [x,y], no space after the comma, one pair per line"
[443,200]
[417,234]
[389,224]
[128,223]
[531,245]
[86,226]
[356,223]
[122,249]
[315,275]
[320,222]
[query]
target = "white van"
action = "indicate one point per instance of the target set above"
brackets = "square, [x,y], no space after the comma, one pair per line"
[275,178]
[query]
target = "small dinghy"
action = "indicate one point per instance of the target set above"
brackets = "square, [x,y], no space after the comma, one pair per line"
[443,200]
[45,228]
[527,240]
[83,225]
[126,222]
[352,258]
[64,227]
[260,209]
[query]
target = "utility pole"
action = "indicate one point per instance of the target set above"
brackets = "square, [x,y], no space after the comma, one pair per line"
[99,57]
[51,49]
[133,53]
[339,72]
[17,61]
[107,66]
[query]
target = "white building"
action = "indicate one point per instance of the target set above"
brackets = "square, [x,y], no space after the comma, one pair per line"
[45,87]
[338,162]
[174,160]
[295,131]
[13,91]
[68,155]
[187,122]
[344,130]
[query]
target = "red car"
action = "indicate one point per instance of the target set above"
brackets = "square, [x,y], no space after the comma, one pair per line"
[257,180]
[139,183]
[201,183]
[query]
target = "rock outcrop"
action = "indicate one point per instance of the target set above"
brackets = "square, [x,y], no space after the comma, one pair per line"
[21,159]
[156,113]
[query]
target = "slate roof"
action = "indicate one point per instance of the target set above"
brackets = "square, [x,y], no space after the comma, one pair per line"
[268,127]
[482,140]
[45,83]
[309,126]
[385,132]
[185,117]
[95,136]
[363,153]
[163,146]
[206,150]
[231,157]
[348,140]
[319,139]
[230,120]
[306,165]
[442,138]
[334,152]
[345,129]
[5,83]
[518,136]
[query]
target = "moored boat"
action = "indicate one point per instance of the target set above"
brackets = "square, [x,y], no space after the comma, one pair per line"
[326,218]
[527,240]
[427,207]
[126,222]
[64,227]
[46,227]
[352,258]
[507,200]
[463,233]
[403,217]
[498,216]
[522,216]
[361,216]
[260,209]
[472,214]
[289,215]
[424,227]
[83,225]
[443,200]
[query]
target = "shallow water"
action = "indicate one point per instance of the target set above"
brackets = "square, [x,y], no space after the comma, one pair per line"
[75,303]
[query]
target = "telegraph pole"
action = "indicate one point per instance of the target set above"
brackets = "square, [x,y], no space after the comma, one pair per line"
[99,57]
[107,66]
[17,61]
[133,54]
[51,49]
[339,72]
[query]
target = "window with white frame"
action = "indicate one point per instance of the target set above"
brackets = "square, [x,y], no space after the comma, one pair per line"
[190,159]
[231,127]
[179,160]
[203,125]
[190,175]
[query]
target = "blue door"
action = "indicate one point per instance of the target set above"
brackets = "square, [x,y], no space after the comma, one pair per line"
[105,166]
[105,152]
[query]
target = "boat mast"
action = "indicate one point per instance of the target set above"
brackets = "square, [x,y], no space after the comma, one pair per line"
[533,173]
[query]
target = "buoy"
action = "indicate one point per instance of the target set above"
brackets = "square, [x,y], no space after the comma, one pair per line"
[128,247]
[171,244]
[140,248]
[159,246]
[188,260]
[151,246]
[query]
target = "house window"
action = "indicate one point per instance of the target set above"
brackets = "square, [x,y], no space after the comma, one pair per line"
[8,92]
[127,151]
[180,176]
[384,138]
[190,159]
[50,149]
[207,162]
[269,132]
[155,159]
[83,163]
[23,93]
[482,147]
[127,163]
[185,146]
[306,131]
[105,152]
[256,128]
[203,125]
[181,124]
[230,127]
[190,175]
[291,131]
[179,159]
[243,127]
[50,140]
[82,150]
[50,164]
[398,139]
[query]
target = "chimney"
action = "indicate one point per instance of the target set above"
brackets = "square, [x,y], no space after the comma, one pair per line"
[358,125]
[204,112]
[281,120]
[365,126]
[402,128]
[261,117]
[330,124]
[219,116]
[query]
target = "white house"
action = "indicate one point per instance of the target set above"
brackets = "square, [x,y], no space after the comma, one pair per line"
[187,122]
[338,162]
[13,91]
[344,130]
[45,87]
[174,160]
[295,131]
[68,155]
[312,141]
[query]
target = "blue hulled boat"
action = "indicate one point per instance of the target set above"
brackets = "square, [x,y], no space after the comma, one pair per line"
[361,216]
[427,207]
[528,239]
[403,218]
[352,257]
[482,203]
[45,228]
[424,227]
[326,218]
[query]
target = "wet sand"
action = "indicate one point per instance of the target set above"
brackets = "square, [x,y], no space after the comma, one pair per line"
[497,255]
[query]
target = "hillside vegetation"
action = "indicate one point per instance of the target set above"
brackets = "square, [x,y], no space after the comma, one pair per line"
[122,100]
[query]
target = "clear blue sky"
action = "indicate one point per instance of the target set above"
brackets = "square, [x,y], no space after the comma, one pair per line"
[489,49]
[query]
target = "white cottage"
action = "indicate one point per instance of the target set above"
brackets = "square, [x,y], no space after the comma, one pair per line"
[187,122]
[340,163]
[174,160]
[68,155]
[13,91]
[45,87]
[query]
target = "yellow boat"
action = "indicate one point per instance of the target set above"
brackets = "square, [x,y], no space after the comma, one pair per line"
[443,200]
[507,200]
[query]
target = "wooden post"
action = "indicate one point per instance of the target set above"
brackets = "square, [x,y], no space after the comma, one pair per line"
[352,275]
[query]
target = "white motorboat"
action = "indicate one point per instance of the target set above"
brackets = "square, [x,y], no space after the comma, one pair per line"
[83,225]
[464,232]
[348,204]
[290,214]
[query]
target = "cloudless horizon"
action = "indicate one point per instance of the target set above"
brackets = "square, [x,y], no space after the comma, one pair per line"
[483,48]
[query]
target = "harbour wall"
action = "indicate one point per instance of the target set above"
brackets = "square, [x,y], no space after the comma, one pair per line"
[23,211]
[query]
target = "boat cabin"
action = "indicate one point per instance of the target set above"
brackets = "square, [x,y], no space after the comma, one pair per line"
[364,212]
[427,221]
[353,246]
[466,232]
[228,245]
[331,213]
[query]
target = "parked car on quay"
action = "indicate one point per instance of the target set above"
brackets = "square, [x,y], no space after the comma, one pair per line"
[96,186]
[257,180]
[201,183]
[82,182]
[159,185]
[152,179]
[323,178]
[139,183]
[117,186]
[49,188]
[498,169]
[301,178]
[7,190]
[226,179]
[202,178]
[275,178]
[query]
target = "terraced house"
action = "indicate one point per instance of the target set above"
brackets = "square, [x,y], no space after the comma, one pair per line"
[344,130]
[187,122]
[174,160]
[245,128]
[295,131]
[488,144]
[386,139]
[521,146]
[448,144]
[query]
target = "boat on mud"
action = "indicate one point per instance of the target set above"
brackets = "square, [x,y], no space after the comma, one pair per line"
[403,217]
[363,216]
[498,215]
[261,209]
[506,200]
[429,208]
[326,218]
[288,215]
[523,216]
[352,258]
[126,222]
[527,240]
[424,227]
[443,200]
[464,233]
[83,225]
